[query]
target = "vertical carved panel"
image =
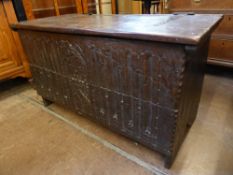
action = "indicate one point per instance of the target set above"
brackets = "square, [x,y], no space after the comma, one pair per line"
[130,87]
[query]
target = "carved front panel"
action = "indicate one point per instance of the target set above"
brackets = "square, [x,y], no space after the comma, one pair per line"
[130,86]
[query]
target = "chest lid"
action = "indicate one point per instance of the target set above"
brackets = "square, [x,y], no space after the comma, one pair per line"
[183,29]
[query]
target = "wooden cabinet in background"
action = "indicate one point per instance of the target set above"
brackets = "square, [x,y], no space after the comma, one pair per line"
[221,43]
[46,8]
[13,61]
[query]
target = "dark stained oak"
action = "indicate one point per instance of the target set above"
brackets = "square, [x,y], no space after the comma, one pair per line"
[186,29]
[138,75]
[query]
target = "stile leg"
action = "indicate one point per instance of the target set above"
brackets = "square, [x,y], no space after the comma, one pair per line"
[169,161]
[46,102]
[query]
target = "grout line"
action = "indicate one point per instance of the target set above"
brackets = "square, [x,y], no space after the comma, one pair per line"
[104,142]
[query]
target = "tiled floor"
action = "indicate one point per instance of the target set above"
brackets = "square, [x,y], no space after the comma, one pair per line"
[39,140]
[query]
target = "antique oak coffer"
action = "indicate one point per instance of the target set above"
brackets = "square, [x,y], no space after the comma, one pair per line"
[139,75]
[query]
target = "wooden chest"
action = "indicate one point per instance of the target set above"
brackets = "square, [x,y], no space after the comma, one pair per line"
[138,75]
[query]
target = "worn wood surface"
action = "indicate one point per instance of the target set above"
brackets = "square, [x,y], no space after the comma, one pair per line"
[138,89]
[146,90]
[185,29]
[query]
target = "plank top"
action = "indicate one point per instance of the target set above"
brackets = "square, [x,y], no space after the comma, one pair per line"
[182,28]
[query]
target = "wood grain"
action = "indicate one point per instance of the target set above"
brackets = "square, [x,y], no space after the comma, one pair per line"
[11,16]
[85,6]
[99,25]
[100,6]
[79,7]
[56,6]
[152,99]
[13,61]
[28,9]
[113,6]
